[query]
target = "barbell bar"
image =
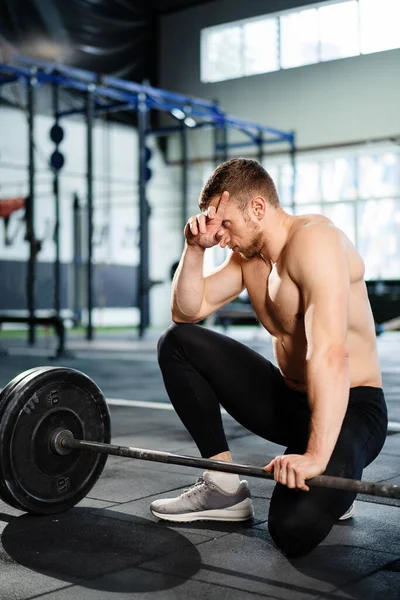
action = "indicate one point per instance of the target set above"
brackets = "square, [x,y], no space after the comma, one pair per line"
[64,440]
[55,438]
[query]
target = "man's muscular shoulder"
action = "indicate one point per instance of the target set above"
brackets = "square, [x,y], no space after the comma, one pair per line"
[308,229]
[313,234]
[305,222]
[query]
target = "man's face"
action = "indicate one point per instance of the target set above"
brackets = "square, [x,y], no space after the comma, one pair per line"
[241,232]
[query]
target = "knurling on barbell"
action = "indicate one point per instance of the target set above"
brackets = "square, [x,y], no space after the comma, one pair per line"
[65,441]
[55,438]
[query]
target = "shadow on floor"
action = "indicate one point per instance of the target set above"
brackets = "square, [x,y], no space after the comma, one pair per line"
[91,550]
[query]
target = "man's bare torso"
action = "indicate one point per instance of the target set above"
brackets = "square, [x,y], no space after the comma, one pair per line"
[277,301]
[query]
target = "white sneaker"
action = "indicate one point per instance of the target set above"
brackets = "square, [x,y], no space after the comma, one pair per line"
[349,512]
[206,501]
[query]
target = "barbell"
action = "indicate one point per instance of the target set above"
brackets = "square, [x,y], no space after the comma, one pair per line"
[55,438]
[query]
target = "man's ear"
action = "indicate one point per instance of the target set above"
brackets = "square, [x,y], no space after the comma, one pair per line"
[258,206]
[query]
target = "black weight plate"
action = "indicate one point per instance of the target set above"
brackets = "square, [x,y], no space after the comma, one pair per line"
[37,479]
[4,494]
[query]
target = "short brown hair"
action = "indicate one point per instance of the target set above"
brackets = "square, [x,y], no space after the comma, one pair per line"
[242,178]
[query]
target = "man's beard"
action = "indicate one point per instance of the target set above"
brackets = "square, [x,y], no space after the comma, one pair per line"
[254,248]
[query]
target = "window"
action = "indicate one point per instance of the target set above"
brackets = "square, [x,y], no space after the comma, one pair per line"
[359,191]
[338,29]
[222,57]
[379,175]
[338,179]
[380,220]
[299,37]
[273,172]
[260,40]
[310,209]
[285,187]
[379,25]
[342,215]
[307,183]
[236,50]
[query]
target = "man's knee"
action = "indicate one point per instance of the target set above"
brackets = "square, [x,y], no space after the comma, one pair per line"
[290,537]
[298,530]
[165,342]
[175,335]
[292,541]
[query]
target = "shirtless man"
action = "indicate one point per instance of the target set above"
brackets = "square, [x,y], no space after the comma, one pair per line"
[324,401]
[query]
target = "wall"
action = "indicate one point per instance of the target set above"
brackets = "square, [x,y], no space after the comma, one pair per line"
[326,103]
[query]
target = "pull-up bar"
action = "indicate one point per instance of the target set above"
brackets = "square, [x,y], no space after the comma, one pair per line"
[106,94]
[126,92]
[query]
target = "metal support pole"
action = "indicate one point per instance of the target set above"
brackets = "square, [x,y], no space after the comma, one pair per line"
[293,163]
[77,246]
[185,173]
[30,225]
[260,144]
[225,150]
[56,191]
[216,144]
[89,183]
[216,140]
[144,213]
[221,148]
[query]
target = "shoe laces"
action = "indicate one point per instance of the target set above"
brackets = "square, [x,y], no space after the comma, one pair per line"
[195,487]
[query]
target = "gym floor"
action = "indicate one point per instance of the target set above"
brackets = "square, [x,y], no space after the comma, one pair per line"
[110,546]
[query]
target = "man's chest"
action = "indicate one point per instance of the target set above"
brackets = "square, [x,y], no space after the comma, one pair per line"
[276,299]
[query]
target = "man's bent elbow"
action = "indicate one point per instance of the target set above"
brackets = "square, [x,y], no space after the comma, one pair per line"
[338,354]
[330,353]
[179,318]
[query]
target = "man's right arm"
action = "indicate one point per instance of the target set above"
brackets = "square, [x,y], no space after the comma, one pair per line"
[195,296]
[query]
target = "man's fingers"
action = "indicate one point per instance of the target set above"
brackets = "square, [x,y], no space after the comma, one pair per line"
[283,473]
[193,226]
[211,212]
[301,484]
[202,223]
[291,478]
[222,204]
[269,467]
[277,468]
[293,471]
[304,488]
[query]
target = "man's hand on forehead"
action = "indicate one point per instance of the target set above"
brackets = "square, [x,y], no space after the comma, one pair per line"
[204,230]
[219,210]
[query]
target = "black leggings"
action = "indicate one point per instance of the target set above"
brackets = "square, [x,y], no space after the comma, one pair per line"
[203,369]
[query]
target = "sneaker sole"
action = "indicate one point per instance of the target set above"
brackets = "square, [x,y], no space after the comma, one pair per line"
[240,512]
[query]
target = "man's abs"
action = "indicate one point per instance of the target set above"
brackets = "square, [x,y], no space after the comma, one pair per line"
[364,369]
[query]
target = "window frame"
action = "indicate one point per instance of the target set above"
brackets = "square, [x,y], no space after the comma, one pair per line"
[204,33]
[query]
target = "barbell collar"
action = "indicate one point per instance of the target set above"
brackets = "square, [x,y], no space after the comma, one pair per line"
[56,439]
[339,483]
